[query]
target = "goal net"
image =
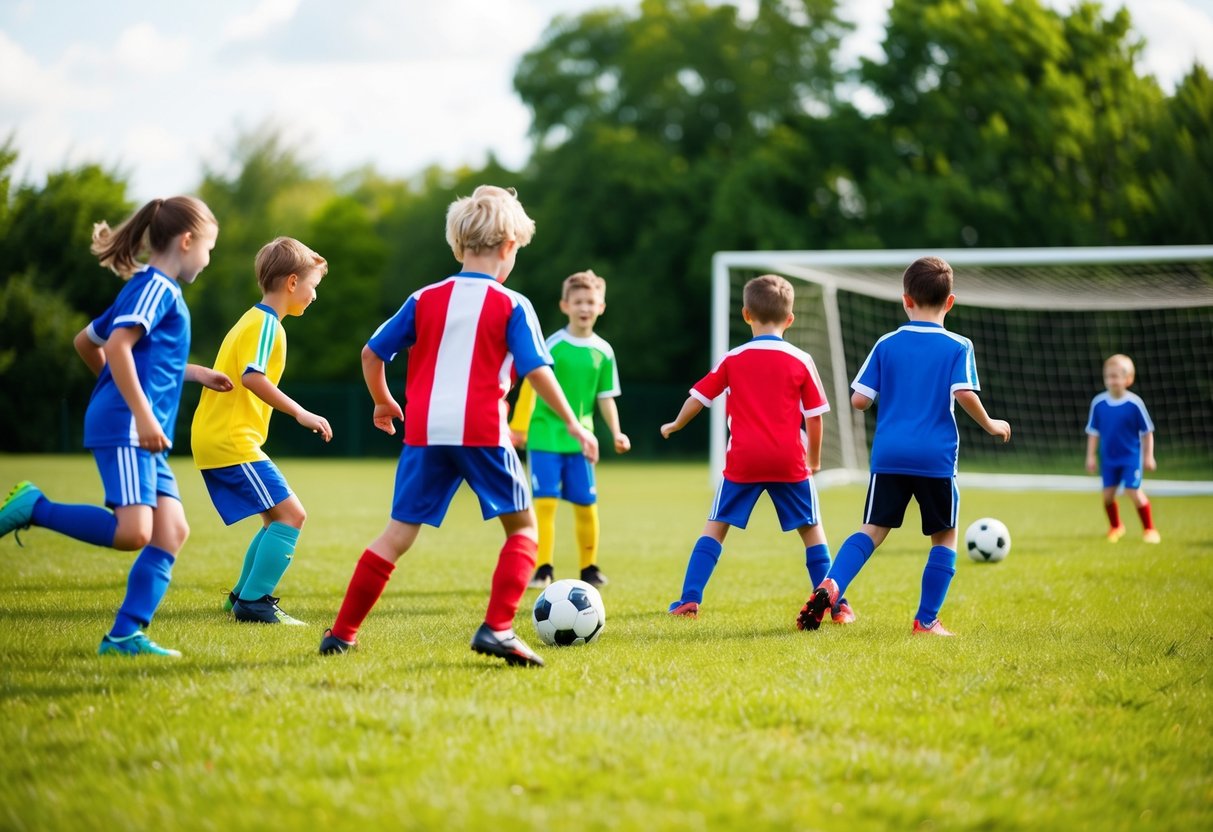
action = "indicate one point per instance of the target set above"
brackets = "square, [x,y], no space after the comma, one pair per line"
[1042,321]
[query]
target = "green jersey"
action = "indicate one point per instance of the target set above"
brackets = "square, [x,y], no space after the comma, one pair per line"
[585,368]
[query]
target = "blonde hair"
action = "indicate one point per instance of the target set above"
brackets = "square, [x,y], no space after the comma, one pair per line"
[152,227]
[1125,364]
[769,298]
[583,280]
[282,257]
[485,220]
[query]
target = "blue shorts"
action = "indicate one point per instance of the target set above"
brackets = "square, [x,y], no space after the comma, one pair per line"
[889,494]
[795,502]
[135,477]
[428,476]
[240,491]
[1127,474]
[563,476]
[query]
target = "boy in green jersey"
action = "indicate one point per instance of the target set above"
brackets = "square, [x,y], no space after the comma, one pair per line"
[585,367]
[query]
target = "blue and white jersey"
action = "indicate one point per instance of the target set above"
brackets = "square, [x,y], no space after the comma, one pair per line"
[1119,424]
[151,300]
[913,373]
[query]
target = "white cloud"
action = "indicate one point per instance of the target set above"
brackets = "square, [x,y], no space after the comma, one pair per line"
[143,48]
[263,18]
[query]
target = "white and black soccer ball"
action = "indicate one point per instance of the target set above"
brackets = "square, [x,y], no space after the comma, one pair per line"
[569,612]
[988,540]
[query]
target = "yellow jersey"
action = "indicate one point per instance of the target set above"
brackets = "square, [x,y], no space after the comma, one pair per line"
[230,428]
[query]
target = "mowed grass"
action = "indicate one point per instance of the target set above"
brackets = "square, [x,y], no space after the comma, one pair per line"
[1077,695]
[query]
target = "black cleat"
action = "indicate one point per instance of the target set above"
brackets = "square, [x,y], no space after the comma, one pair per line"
[822,599]
[511,648]
[264,610]
[592,576]
[330,645]
[543,577]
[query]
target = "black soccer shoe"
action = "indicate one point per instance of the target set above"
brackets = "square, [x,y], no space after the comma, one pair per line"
[511,648]
[593,576]
[330,645]
[264,610]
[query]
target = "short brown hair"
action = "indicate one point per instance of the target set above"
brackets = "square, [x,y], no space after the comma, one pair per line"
[583,280]
[769,298]
[282,257]
[928,282]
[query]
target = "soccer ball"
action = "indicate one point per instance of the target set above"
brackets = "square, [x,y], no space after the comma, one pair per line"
[569,612]
[988,540]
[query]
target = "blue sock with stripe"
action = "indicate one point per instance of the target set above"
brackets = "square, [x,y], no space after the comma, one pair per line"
[250,556]
[936,578]
[274,555]
[704,556]
[145,587]
[90,524]
[851,557]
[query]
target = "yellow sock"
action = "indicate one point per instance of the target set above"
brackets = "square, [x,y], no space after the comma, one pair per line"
[585,521]
[545,513]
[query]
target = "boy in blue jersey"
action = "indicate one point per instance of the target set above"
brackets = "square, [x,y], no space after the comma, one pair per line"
[1120,420]
[916,373]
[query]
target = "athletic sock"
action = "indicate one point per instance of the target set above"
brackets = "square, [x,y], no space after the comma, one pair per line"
[514,565]
[545,516]
[274,555]
[851,557]
[145,587]
[1147,518]
[817,561]
[936,578]
[705,554]
[1113,511]
[366,585]
[250,556]
[91,524]
[585,525]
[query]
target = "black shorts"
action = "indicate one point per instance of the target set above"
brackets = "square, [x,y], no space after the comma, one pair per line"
[889,494]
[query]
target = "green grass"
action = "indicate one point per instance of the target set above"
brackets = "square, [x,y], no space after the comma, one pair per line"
[1077,695]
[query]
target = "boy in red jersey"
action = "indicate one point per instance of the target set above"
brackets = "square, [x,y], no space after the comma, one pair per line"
[775,402]
[465,336]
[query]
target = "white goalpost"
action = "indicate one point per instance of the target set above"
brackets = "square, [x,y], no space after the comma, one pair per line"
[1042,320]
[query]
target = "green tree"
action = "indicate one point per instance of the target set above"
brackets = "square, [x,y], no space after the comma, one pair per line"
[1180,161]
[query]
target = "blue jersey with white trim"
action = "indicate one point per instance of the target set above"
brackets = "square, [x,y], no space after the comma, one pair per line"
[913,373]
[151,300]
[1119,424]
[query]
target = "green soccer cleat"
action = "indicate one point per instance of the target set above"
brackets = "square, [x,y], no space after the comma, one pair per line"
[18,508]
[230,601]
[137,644]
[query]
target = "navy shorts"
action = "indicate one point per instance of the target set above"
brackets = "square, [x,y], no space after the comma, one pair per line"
[1126,474]
[795,502]
[135,477]
[240,491]
[563,476]
[428,476]
[889,494]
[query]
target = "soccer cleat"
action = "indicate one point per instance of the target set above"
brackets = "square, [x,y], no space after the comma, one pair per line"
[330,645]
[814,609]
[841,613]
[511,648]
[1151,536]
[264,610]
[1116,534]
[230,601]
[137,644]
[593,576]
[542,577]
[687,609]
[18,508]
[936,629]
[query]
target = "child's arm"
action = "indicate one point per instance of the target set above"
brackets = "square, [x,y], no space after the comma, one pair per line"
[815,427]
[610,415]
[971,402]
[860,402]
[91,353]
[121,362]
[1092,447]
[690,409]
[520,422]
[1147,452]
[260,386]
[548,389]
[386,408]
[207,377]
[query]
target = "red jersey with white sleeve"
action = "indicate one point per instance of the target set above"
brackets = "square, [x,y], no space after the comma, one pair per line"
[771,387]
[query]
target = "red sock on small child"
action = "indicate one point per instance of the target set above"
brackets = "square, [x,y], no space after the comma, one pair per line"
[1147,519]
[1113,511]
[366,585]
[514,566]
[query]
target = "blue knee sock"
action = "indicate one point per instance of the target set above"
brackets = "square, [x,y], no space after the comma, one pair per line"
[936,578]
[91,524]
[704,556]
[250,556]
[145,587]
[854,553]
[273,557]
[817,561]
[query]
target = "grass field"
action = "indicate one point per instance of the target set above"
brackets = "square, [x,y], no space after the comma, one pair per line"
[1077,695]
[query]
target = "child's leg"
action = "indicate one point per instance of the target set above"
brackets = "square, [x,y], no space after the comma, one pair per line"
[514,564]
[152,570]
[545,513]
[1110,507]
[275,549]
[250,557]
[937,576]
[90,524]
[585,524]
[854,553]
[816,553]
[371,576]
[705,554]
[1142,503]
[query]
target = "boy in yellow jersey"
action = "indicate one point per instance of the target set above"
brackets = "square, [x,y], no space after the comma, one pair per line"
[229,430]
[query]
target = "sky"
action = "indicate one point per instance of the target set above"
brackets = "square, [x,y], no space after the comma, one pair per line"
[160,90]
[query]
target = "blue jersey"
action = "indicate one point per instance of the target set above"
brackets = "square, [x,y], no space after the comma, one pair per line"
[913,374]
[153,301]
[1119,424]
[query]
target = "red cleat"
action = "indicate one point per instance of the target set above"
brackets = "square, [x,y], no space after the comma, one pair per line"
[687,609]
[841,613]
[822,599]
[936,629]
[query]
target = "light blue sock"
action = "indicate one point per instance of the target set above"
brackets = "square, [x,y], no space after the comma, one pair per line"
[851,557]
[90,524]
[704,556]
[273,557]
[936,578]
[145,587]
[250,556]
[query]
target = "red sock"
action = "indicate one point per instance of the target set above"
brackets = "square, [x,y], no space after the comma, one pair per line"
[366,585]
[514,566]
[1113,511]
[1147,519]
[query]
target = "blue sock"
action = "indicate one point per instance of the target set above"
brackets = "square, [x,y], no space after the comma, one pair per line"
[250,557]
[817,561]
[704,556]
[145,587]
[91,524]
[273,557]
[936,578]
[854,553]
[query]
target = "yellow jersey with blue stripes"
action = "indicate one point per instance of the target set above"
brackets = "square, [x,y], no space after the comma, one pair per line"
[230,428]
